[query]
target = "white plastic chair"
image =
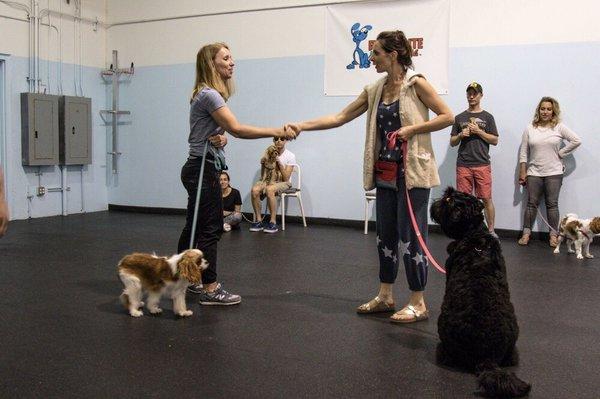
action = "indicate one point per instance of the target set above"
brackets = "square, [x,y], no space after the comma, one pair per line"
[294,191]
[369,196]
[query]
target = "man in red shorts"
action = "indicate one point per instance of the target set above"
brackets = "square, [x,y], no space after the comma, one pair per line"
[475,129]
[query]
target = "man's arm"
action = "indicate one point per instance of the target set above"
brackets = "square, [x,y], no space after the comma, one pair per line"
[286,171]
[455,139]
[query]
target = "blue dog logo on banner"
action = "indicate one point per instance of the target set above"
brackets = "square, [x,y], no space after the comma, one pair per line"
[359,57]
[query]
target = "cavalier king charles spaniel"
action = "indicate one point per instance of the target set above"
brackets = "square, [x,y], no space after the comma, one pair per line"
[580,232]
[146,273]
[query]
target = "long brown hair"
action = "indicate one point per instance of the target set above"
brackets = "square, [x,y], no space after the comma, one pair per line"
[396,41]
[555,112]
[206,73]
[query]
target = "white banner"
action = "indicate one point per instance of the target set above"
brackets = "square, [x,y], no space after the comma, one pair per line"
[351,30]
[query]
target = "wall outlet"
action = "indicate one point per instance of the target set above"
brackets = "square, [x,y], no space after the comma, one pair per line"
[41,191]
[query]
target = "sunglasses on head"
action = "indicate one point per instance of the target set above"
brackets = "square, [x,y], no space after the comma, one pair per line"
[279,139]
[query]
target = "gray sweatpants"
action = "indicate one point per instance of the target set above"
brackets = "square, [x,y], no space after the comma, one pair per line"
[549,186]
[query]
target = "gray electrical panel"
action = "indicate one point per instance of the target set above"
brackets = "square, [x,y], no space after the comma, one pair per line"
[39,129]
[75,130]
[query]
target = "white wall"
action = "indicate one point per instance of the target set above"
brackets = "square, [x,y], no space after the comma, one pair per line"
[14,45]
[518,50]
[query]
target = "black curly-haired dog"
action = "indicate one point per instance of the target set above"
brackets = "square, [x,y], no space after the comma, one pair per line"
[477,324]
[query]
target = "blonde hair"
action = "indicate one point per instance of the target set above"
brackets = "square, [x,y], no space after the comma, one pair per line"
[206,73]
[555,112]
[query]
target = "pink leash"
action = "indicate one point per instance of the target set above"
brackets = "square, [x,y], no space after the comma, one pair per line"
[547,224]
[391,138]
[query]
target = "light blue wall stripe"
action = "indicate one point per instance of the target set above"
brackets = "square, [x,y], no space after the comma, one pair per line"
[19,177]
[273,91]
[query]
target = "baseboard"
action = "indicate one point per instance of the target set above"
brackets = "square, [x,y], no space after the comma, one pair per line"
[358,224]
[146,209]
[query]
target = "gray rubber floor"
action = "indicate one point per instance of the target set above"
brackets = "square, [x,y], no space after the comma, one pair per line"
[295,335]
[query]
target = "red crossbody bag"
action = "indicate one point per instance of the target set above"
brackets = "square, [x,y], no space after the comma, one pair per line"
[386,172]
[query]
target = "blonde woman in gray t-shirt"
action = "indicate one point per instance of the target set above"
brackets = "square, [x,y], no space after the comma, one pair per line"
[210,118]
[541,164]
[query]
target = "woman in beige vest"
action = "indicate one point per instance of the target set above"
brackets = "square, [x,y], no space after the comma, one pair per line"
[399,102]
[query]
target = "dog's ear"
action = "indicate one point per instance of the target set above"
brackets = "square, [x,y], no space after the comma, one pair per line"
[595,225]
[188,267]
[449,191]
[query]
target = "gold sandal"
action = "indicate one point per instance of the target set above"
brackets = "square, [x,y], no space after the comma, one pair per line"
[375,305]
[524,240]
[416,315]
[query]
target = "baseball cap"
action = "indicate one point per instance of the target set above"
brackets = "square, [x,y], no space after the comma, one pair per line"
[475,86]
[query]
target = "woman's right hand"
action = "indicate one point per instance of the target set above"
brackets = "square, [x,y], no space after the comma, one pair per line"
[286,133]
[295,127]
[218,141]
[523,173]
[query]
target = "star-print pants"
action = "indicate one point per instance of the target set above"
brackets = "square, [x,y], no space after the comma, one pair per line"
[396,239]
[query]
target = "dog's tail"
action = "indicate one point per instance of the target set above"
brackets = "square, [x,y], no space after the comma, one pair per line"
[498,383]
[124,300]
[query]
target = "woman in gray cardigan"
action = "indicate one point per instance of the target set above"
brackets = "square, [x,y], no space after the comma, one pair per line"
[399,102]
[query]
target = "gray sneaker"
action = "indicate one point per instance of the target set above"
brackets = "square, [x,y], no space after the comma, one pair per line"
[219,297]
[195,289]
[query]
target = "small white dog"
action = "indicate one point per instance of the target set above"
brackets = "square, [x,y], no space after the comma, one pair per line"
[580,232]
[155,275]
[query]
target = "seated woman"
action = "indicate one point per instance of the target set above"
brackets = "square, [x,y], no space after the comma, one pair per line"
[232,203]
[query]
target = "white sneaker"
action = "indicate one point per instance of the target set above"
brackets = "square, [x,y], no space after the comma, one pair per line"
[226,227]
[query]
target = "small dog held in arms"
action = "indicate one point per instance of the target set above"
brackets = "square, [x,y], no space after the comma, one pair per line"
[580,232]
[477,326]
[269,173]
[146,273]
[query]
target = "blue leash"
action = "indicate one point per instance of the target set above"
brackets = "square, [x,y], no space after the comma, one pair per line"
[198,192]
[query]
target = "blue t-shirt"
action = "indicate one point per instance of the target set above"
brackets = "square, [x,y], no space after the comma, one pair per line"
[202,124]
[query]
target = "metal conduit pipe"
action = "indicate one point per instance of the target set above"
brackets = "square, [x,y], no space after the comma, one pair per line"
[74,55]
[95,22]
[80,51]
[31,57]
[63,175]
[14,18]
[239,11]
[31,76]
[48,52]
[59,78]
[82,196]
[36,11]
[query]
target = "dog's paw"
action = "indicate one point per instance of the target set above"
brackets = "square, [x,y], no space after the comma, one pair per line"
[570,251]
[185,313]
[156,311]
[136,313]
[579,256]
[589,256]
[556,250]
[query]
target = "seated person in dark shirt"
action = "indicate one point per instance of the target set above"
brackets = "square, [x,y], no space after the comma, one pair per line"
[232,203]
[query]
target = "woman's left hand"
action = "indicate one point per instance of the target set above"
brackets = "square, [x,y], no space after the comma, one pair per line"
[220,140]
[405,133]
